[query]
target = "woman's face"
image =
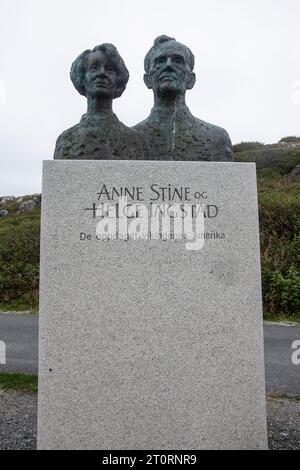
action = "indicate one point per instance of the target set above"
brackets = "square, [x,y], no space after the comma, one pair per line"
[100,76]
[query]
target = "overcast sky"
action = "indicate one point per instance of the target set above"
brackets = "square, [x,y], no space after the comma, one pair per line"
[247,56]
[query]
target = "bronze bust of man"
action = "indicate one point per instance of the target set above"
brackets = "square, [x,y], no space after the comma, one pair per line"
[100,74]
[171,131]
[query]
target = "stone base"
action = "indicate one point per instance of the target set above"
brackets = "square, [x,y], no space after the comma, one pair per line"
[143,343]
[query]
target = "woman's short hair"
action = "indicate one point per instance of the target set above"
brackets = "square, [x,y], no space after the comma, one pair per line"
[79,68]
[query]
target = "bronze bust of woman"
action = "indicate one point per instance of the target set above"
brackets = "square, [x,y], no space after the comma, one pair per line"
[100,74]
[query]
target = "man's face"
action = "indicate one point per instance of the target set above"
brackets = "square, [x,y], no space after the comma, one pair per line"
[100,76]
[169,73]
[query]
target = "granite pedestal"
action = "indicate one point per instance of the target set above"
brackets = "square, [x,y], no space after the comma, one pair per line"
[145,344]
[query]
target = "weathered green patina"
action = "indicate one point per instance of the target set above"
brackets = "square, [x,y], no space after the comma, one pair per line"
[171,131]
[100,75]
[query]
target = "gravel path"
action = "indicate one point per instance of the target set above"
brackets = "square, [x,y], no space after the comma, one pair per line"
[18,415]
[18,420]
[283,424]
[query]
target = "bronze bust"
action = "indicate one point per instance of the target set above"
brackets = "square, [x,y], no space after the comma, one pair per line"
[100,74]
[171,132]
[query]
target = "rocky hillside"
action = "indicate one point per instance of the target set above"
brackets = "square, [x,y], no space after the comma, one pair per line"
[11,205]
[271,159]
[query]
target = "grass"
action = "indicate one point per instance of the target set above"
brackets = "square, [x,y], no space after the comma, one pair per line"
[272,317]
[19,382]
[282,396]
[18,307]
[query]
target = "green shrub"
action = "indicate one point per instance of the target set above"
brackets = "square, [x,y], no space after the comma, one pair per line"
[279,217]
[19,260]
[282,293]
[247,146]
[279,213]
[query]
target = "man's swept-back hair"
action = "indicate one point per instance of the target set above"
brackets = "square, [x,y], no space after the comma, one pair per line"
[158,42]
[79,67]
